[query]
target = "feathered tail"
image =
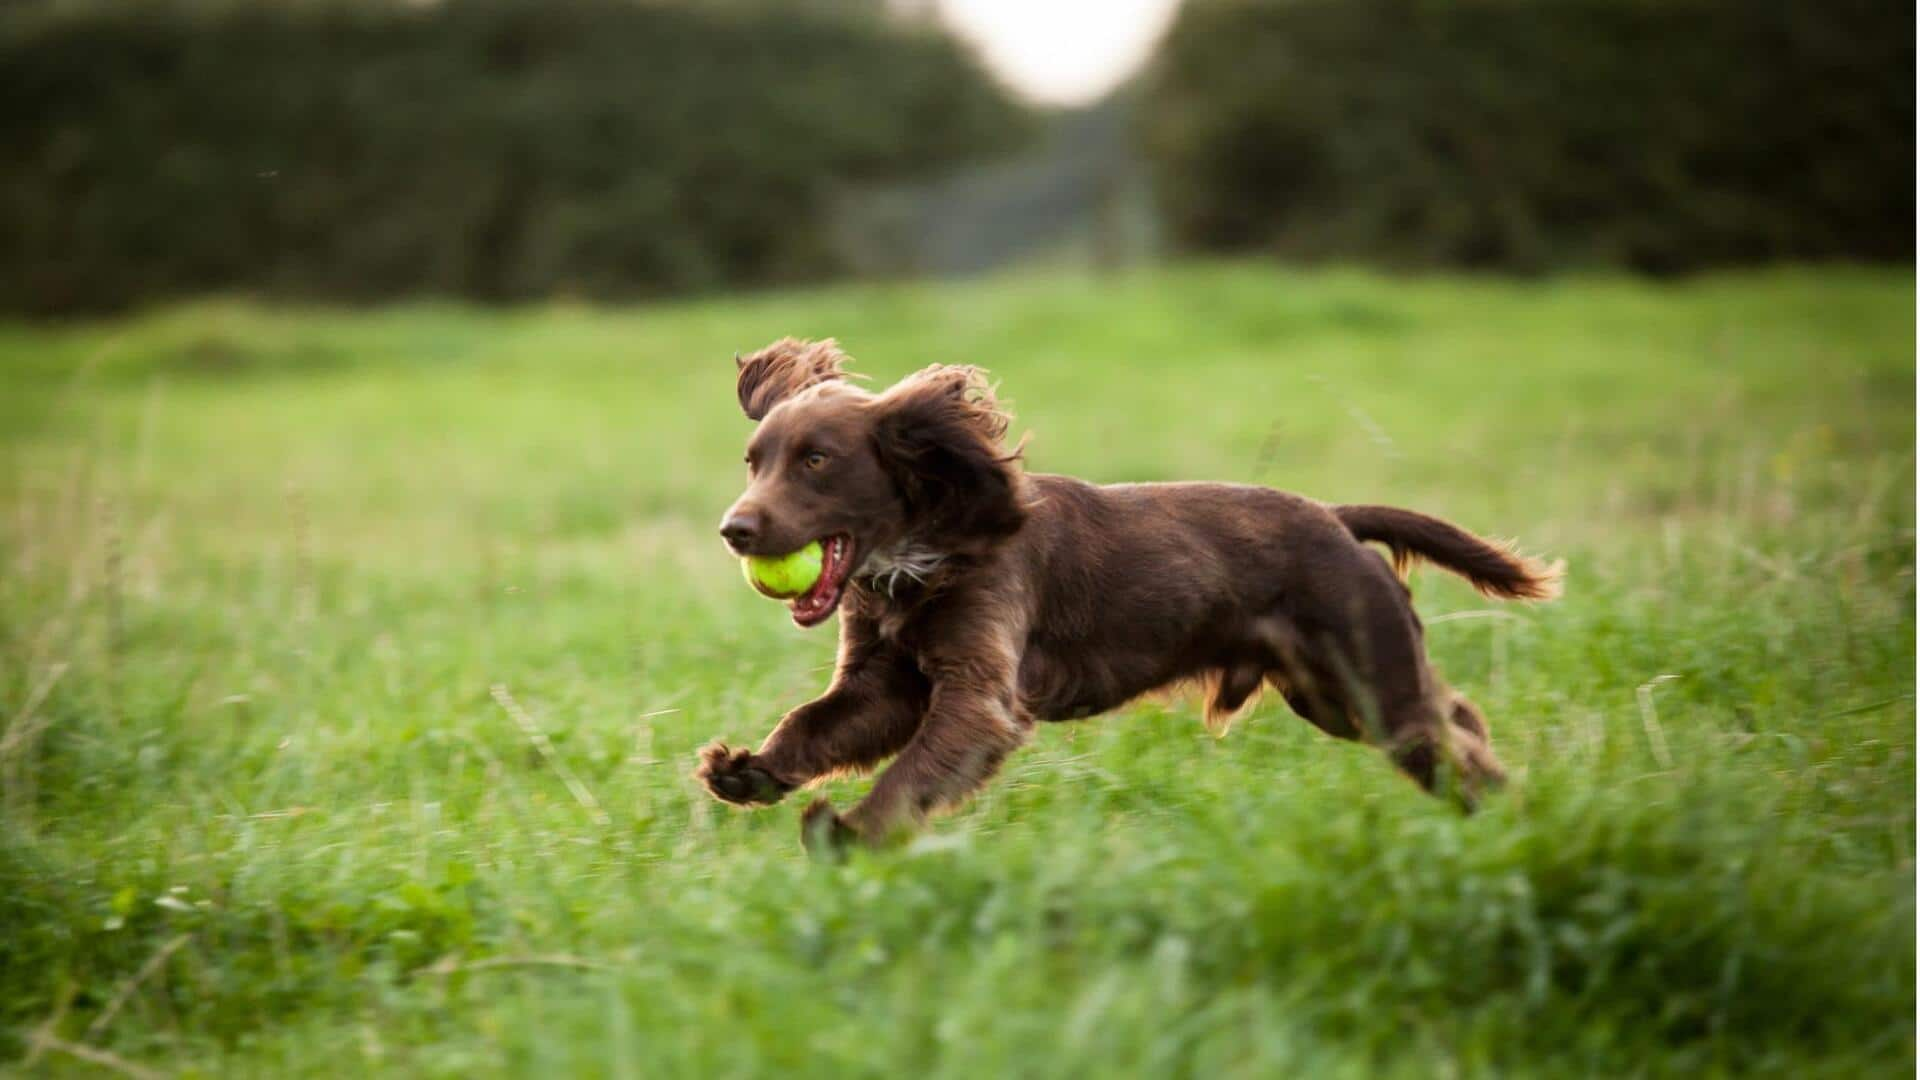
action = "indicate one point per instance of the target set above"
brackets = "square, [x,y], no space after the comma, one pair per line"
[1494,569]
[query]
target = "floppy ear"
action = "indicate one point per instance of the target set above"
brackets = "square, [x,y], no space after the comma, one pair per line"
[782,370]
[939,436]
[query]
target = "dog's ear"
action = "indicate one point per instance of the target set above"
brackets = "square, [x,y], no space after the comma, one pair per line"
[782,370]
[938,434]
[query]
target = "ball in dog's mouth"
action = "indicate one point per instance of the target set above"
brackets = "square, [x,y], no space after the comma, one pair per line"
[812,607]
[784,577]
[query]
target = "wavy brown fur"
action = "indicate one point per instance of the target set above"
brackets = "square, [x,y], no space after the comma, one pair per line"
[782,370]
[1494,569]
[1046,598]
[940,439]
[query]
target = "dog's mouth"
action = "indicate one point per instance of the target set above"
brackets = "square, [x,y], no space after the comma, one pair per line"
[812,607]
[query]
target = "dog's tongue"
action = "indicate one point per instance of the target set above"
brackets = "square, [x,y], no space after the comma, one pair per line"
[814,604]
[812,596]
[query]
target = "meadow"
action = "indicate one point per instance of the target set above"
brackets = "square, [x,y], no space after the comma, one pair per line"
[353,665]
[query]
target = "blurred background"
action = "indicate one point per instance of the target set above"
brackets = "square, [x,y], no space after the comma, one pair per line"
[367,412]
[501,150]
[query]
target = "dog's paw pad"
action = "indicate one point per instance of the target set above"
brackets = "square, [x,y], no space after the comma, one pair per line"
[732,777]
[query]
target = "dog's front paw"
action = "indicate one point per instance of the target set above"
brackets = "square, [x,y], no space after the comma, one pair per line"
[822,832]
[732,776]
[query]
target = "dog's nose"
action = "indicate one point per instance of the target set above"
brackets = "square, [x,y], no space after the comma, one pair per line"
[739,529]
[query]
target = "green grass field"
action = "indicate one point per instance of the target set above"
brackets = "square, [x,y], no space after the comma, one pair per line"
[265,814]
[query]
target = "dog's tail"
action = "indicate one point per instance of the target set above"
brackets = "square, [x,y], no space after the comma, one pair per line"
[1494,569]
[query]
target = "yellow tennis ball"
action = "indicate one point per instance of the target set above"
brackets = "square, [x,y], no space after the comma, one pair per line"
[784,577]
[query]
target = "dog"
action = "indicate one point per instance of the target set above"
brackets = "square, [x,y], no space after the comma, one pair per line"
[977,599]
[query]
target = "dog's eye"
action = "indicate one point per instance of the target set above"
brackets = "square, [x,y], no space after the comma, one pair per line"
[815,459]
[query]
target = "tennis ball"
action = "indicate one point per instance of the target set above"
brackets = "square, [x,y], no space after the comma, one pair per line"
[784,577]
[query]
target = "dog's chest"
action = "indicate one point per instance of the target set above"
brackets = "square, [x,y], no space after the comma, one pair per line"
[891,569]
[896,583]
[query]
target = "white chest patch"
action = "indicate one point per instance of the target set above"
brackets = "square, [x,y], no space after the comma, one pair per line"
[884,571]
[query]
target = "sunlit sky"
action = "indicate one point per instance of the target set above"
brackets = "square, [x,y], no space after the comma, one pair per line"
[1061,52]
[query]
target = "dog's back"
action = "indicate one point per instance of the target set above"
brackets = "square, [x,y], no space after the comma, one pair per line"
[1132,587]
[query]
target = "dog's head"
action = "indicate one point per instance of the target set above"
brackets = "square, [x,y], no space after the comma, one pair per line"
[922,463]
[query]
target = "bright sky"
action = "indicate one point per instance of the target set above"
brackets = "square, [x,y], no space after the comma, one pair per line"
[1061,52]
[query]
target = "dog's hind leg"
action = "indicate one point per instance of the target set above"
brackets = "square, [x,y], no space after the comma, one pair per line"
[1311,689]
[1326,713]
[1441,742]
[1359,669]
[1232,686]
[1471,742]
[1465,715]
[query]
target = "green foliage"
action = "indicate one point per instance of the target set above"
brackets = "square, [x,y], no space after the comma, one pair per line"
[1520,135]
[261,569]
[484,148]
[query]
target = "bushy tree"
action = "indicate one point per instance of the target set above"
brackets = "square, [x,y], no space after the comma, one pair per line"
[1524,134]
[488,148]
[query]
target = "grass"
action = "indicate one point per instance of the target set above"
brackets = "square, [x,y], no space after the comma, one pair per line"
[265,813]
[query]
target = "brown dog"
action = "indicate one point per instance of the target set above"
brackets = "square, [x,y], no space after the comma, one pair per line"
[977,599]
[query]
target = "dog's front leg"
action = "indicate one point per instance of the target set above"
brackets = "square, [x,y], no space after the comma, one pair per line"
[876,701]
[973,722]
